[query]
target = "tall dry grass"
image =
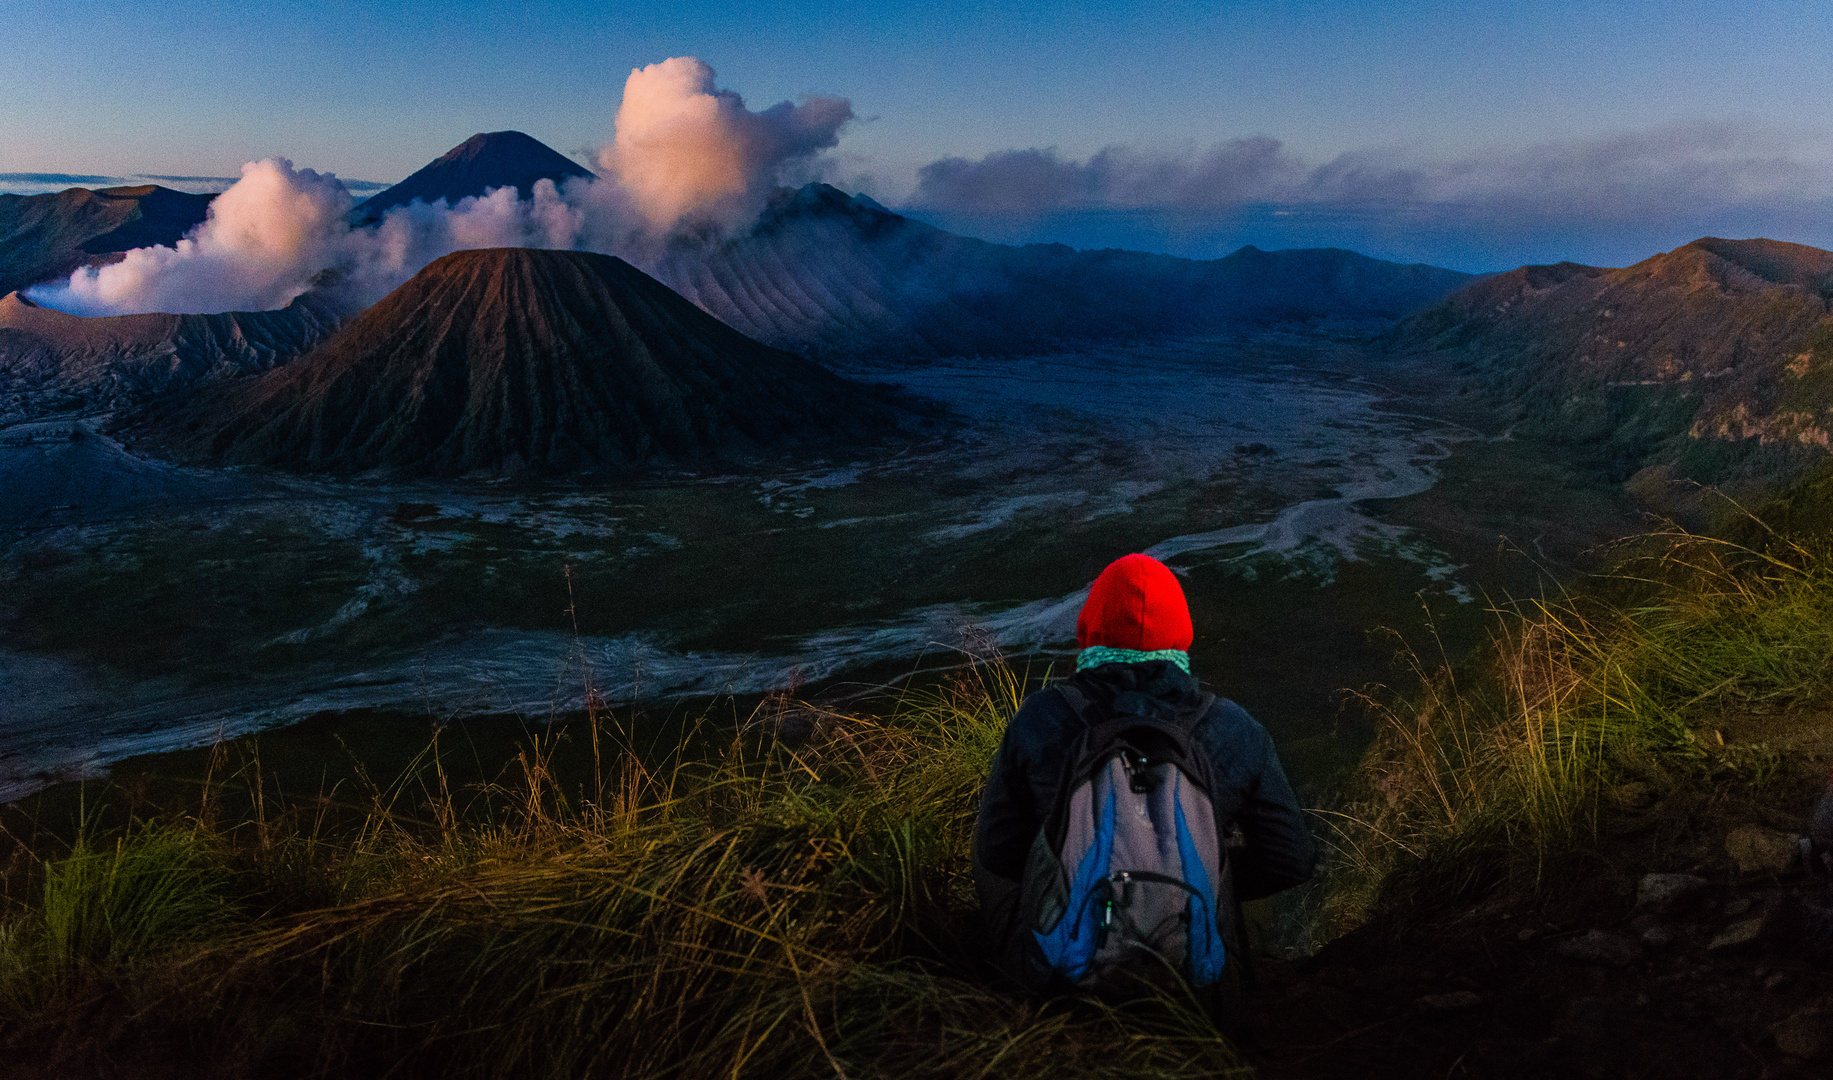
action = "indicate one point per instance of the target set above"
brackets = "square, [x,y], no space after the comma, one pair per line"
[764,904]
[1489,775]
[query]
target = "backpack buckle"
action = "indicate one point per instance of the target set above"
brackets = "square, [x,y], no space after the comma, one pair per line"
[1139,771]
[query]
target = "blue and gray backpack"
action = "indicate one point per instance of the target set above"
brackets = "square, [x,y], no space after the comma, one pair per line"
[1126,880]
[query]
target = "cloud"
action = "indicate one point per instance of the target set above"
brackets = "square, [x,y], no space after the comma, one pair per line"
[1609,198]
[686,156]
[686,149]
[43,178]
[1678,169]
[1678,166]
[259,246]
[1031,183]
[375,260]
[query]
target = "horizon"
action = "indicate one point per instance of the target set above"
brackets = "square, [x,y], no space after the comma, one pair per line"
[53,183]
[1476,138]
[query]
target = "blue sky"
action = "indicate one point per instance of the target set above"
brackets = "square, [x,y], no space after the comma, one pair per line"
[1476,135]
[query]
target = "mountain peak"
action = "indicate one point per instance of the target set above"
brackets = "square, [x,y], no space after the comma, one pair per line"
[1722,340]
[1775,261]
[46,236]
[488,143]
[487,160]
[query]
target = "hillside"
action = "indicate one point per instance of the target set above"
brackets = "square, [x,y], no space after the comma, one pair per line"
[54,362]
[487,160]
[63,471]
[47,236]
[510,359]
[1724,343]
[829,275]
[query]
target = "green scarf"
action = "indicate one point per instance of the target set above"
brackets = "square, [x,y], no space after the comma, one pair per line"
[1096,655]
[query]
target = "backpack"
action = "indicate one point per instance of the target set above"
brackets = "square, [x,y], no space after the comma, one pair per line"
[1127,877]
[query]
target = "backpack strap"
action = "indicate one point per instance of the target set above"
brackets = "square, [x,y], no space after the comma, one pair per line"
[1088,711]
[1079,703]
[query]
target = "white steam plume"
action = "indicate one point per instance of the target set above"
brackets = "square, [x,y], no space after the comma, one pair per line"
[377,259]
[686,155]
[685,148]
[259,246]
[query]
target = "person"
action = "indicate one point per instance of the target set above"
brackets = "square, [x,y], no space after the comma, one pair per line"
[1134,634]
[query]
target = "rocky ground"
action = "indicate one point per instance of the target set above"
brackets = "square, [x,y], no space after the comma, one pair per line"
[1693,940]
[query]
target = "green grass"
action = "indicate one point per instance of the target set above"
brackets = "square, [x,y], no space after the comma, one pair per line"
[1648,681]
[117,907]
[738,904]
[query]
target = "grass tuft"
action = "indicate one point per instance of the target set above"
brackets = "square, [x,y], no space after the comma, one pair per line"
[119,906]
[1634,687]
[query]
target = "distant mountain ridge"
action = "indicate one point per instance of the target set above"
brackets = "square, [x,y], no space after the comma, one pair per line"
[1724,341]
[822,274]
[43,237]
[832,276]
[487,160]
[508,360]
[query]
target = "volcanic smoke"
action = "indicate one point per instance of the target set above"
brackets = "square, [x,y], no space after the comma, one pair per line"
[685,154]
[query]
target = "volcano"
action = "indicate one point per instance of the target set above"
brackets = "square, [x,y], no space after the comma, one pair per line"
[512,360]
[47,236]
[488,160]
[836,277]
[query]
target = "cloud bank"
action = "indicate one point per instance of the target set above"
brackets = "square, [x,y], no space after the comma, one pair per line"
[1610,199]
[25,183]
[1024,184]
[686,156]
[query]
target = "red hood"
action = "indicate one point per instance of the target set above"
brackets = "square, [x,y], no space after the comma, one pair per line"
[1136,603]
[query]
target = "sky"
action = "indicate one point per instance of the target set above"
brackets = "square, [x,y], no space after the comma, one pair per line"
[1474,135]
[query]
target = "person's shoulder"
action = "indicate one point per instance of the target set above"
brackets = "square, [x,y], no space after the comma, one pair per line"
[1042,721]
[1225,711]
[1233,726]
[1047,705]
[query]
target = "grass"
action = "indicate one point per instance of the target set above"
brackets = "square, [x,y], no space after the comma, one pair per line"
[788,899]
[789,895]
[115,908]
[1636,687]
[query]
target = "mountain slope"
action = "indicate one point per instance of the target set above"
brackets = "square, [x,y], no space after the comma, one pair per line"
[1721,340]
[58,472]
[486,160]
[829,275]
[510,359]
[54,362]
[47,236]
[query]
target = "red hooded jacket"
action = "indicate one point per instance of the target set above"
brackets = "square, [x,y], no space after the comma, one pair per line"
[1136,603]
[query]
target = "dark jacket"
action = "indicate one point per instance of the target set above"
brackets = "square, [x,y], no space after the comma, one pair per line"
[1250,788]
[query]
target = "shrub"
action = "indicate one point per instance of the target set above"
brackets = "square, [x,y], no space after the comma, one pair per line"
[1470,780]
